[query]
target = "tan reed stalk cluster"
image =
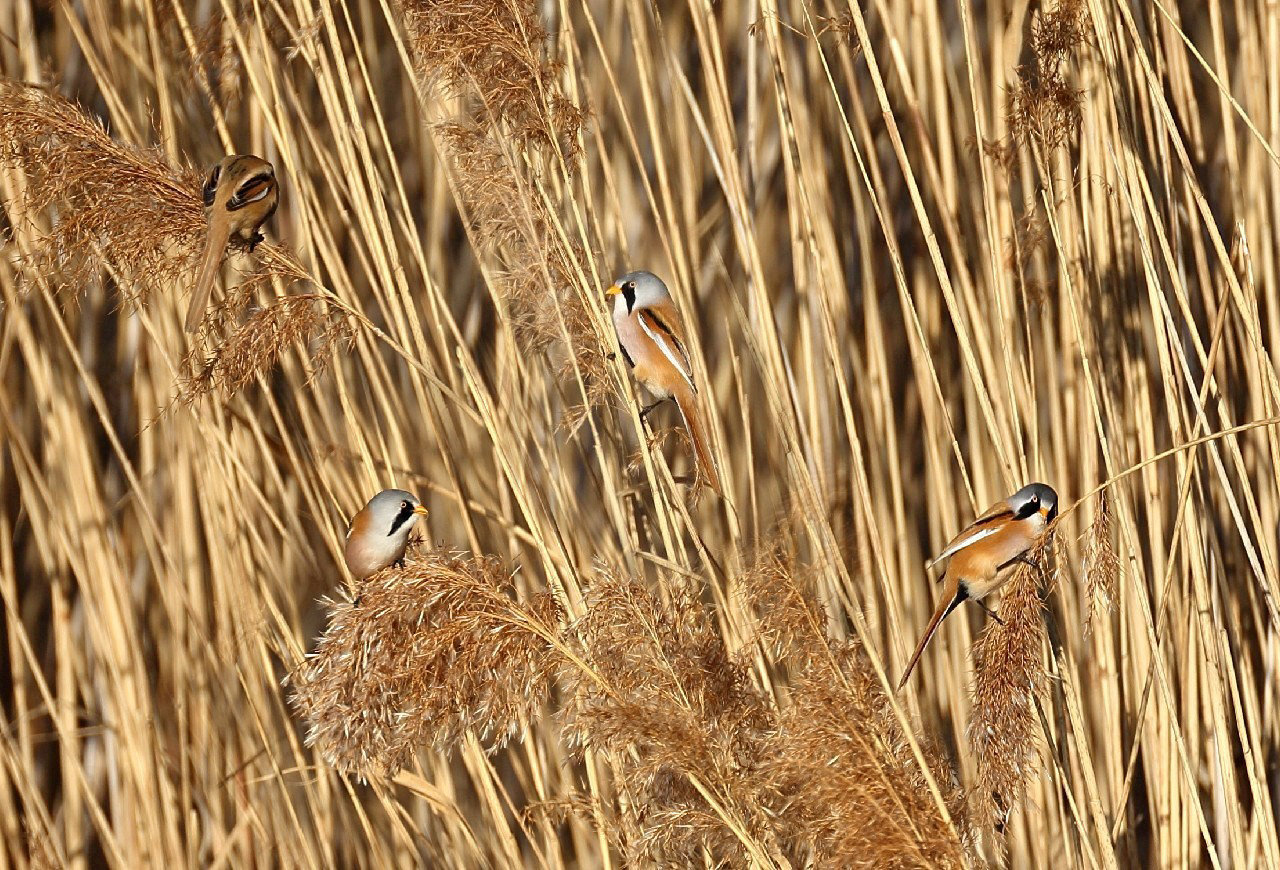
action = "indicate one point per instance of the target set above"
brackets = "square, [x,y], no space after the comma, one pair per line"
[1009,689]
[422,656]
[818,184]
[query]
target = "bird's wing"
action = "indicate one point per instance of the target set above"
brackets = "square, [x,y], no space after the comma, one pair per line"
[661,324]
[983,527]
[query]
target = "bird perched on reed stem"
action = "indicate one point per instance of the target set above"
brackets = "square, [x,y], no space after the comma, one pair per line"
[240,195]
[982,554]
[379,533]
[652,338]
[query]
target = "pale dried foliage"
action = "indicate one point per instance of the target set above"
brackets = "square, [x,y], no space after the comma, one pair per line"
[1010,681]
[99,210]
[423,656]
[234,359]
[511,146]
[852,791]
[845,786]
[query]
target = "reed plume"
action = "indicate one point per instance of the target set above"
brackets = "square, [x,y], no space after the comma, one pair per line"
[680,720]
[423,655]
[1009,685]
[513,147]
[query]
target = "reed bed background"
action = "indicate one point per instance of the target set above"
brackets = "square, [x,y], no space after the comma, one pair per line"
[930,251]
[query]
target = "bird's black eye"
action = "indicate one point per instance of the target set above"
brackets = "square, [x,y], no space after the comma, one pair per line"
[631,285]
[404,504]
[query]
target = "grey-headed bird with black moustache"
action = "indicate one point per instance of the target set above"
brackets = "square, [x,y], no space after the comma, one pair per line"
[240,195]
[652,338]
[982,555]
[379,533]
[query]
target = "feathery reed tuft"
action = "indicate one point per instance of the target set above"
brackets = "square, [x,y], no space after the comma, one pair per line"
[1044,107]
[851,792]
[1009,683]
[108,208]
[252,349]
[838,772]
[1101,564]
[425,654]
[682,723]
[516,132]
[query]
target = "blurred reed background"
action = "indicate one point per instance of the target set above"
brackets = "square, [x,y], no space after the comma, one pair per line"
[930,251]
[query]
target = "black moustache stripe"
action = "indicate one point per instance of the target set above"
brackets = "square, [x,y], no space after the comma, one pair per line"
[1027,510]
[401,518]
[629,294]
[211,186]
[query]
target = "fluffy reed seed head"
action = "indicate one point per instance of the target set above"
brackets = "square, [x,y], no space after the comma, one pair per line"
[1043,107]
[1009,682]
[92,207]
[1101,564]
[425,654]
[850,792]
[838,772]
[679,717]
[516,129]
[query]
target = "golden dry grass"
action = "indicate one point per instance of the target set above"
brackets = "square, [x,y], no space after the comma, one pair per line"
[930,251]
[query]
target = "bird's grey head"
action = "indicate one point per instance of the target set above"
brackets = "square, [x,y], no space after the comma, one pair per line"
[639,290]
[1035,498]
[394,512]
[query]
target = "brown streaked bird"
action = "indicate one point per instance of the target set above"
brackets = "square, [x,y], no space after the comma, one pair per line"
[983,551]
[652,338]
[379,533]
[240,195]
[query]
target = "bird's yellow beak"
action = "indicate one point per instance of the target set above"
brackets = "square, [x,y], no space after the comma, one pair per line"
[613,290]
[420,510]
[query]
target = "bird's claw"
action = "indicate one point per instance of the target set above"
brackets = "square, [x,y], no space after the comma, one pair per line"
[645,413]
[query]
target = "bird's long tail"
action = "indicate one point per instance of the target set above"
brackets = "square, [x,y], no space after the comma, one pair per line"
[214,246]
[693,422]
[944,608]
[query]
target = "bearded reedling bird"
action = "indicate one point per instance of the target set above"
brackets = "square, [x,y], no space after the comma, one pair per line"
[981,553]
[240,195]
[651,336]
[379,533]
